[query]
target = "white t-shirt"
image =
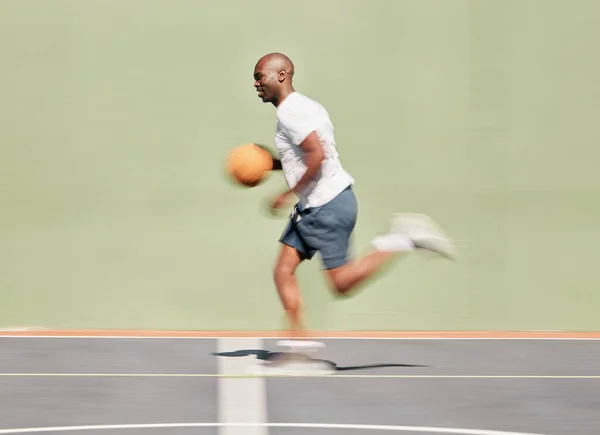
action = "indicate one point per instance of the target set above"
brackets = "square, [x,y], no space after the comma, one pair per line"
[297,117]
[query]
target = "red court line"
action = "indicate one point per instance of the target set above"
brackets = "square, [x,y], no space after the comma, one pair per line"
[283,334]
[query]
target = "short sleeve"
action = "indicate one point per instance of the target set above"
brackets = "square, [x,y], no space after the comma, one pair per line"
[298,124]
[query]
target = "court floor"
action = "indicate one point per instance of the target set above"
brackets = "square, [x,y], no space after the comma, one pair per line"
[158,385]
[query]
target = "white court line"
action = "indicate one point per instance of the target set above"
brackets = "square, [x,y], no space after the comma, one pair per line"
[250,375]
[240,398]
[325,337]
[431,430]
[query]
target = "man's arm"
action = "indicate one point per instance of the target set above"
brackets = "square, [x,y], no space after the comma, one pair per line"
[276,161]
[313,157]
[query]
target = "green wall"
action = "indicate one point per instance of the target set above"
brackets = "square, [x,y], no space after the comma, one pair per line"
[117,115]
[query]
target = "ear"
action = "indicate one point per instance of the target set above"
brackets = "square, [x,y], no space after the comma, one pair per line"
[281,75]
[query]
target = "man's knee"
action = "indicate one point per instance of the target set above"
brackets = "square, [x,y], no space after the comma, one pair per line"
[282,272]
[286,265]
[336,259]
[338,282]
[340,290]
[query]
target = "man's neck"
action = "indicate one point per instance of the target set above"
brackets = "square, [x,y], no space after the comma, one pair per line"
[284,94]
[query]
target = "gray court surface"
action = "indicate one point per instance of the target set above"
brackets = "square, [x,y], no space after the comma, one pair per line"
[162,386]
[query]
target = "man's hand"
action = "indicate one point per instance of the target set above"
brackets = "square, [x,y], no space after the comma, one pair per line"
[280,201]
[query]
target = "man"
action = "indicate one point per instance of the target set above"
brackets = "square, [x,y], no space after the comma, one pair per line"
[324,217]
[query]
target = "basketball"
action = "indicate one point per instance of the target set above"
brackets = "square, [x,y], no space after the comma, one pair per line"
[248,164]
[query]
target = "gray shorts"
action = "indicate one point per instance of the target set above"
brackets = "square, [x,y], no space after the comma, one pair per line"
[326,229]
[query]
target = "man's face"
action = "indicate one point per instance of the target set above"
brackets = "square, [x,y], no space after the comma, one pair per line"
[266,82]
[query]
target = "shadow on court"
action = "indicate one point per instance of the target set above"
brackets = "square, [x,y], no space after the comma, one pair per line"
[265,355]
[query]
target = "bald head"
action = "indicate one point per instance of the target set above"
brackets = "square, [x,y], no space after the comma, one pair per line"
[277,62]
[273,76]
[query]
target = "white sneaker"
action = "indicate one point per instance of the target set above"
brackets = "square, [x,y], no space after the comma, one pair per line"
[424,233]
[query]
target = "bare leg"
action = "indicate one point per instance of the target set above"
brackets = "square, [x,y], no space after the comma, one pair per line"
[409,232]
[288,289]
[352,275]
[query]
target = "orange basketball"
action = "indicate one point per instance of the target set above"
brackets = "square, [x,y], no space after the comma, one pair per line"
[248,164]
